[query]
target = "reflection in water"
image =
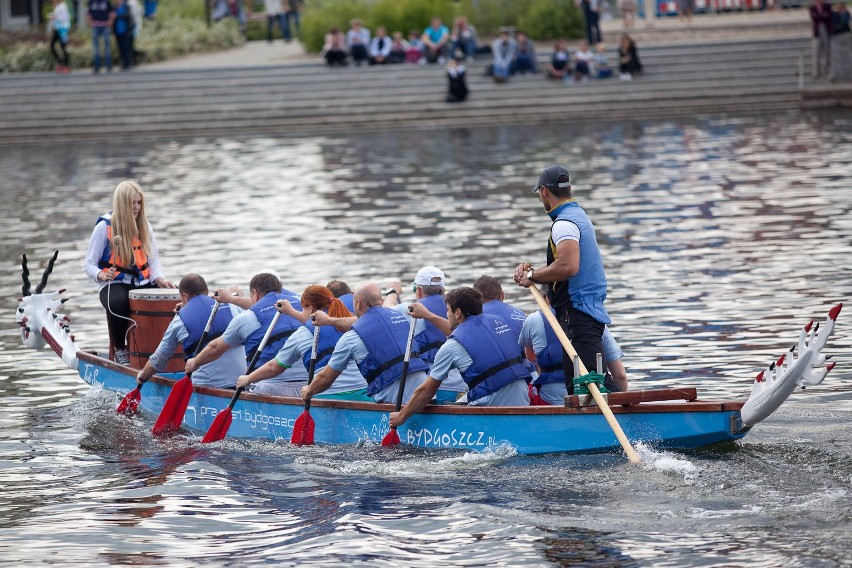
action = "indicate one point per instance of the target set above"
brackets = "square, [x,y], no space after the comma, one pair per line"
[720,238]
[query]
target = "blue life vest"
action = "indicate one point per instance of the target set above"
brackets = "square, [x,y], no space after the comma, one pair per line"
[194,315]
[510,315]
[264,310]
[549,359]
[328,337]
[384,332]
[586,290]
[348,301]
[428,341]
[492,346]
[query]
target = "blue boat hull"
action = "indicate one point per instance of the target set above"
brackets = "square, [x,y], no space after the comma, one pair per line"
[530,430]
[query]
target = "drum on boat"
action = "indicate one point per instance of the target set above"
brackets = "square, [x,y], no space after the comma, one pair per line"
[152,309]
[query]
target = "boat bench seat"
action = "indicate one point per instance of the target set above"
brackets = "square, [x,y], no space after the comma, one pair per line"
[639,396]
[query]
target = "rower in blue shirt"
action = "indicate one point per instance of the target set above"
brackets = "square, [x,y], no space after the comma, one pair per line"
[249,327]
[483,348]
[376,340]
[186,329]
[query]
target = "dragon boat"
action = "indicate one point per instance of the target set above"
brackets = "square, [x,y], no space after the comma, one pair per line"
[662,418]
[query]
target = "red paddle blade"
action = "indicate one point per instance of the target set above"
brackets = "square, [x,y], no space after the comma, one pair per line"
[171,416]
[391,438]
[219,429]
[303,430]
[130,403]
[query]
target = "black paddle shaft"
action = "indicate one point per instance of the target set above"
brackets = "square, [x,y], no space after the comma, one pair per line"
[405,363]
[254,359]
[312,366]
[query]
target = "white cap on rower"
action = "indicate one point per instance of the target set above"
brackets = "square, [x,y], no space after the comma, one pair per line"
[429,276]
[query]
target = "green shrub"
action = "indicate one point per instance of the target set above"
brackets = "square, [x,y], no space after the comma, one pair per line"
[410,14]
[159,41]
[321,16]
[490,15]
[542,19]
[551,19]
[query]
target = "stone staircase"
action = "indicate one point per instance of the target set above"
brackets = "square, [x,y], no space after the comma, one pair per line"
[308,98]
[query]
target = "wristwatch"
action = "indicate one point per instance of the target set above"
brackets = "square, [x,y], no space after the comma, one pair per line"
[391,291]
[530,274]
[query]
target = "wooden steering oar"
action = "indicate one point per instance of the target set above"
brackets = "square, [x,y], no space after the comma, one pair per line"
[593,388]
[171,417]
[392,437]
[303,428]
[219,429]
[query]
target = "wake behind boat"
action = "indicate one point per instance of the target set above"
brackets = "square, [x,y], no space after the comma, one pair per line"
[665,418]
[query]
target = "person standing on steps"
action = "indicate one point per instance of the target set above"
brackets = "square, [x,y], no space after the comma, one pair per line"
[101,16]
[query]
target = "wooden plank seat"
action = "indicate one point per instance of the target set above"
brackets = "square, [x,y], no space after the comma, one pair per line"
[639,396]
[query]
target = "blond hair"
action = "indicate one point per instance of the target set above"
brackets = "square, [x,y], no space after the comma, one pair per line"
[123,223]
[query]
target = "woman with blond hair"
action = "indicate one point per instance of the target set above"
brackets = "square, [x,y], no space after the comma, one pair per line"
[350,385]
[122,256]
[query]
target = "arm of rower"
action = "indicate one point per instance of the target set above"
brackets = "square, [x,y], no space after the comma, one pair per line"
[343,324]
[418,310]
[418,402]
[566,265]
[392,300]
[272,368]
[322,381]
[213,351]
[228,296]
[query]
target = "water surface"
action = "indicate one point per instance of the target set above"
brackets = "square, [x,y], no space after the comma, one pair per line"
[721,238]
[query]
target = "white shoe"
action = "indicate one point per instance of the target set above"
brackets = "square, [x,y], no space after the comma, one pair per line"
[442,60]
[422,61]
[122,357]
[626,77]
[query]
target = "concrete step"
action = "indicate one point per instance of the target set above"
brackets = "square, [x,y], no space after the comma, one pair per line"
[379,101]
[263,89]
[436,118]
[675,99]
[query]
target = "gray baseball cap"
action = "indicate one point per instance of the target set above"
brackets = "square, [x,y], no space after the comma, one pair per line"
[550,176]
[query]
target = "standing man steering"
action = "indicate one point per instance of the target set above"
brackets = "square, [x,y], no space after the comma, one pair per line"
[574,271]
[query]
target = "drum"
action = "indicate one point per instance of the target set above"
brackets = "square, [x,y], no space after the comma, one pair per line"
[152,309]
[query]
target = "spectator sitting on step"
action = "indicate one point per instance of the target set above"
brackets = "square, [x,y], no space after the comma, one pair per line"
[600,63]
[583,58]
[358,40]
[840,19]
[525,60]
[628,58]
[415,47]
[334,50]
[435,39]
[457,85]
[505,50]
[380,47]
[399,48]
[560,64]
[463,38]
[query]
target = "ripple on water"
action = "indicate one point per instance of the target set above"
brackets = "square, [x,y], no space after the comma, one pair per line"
[721,238]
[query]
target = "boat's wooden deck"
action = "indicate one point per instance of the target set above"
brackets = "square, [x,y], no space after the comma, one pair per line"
[644,401]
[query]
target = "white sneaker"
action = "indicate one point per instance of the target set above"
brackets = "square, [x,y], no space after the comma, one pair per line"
[122,357]
[626,77]
[442,60]
[422,61]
